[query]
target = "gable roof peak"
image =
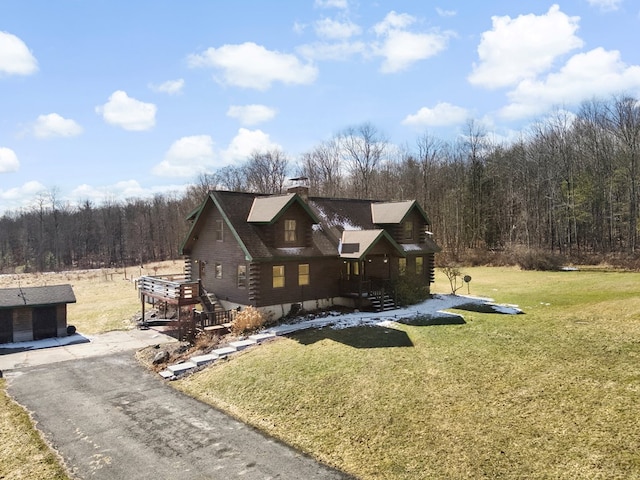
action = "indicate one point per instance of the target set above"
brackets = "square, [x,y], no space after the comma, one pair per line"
[269,208]
[390,212]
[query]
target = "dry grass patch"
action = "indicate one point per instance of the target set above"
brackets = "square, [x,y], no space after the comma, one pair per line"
[551,394]
[106,299]
[24,455]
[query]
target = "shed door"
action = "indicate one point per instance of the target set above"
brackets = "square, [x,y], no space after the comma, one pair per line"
[6,326]
[45,324]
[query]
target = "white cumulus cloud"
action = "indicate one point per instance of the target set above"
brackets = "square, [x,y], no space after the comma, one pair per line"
[245,143]
[442,114]
[446,13]
[606,5]
[343,50]
[127,112]
[524,47]
[251,114]
[126,189]
[336,29]
[187,157]
[15,56]
[401,48]
[341,4]
[8,160]
[172,87]
[19,197]
[595,73]
[54,125]
[249,65]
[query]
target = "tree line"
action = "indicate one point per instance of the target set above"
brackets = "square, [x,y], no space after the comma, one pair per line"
[568,185]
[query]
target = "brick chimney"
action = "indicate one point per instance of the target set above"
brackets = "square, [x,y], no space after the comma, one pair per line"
[300,186]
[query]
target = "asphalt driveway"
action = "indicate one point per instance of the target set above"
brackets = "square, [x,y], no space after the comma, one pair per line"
[110,418]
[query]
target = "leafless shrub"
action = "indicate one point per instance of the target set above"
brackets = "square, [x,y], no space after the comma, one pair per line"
[247,321]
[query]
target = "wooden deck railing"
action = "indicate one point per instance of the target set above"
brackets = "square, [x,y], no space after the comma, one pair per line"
[211,319]
[170,288]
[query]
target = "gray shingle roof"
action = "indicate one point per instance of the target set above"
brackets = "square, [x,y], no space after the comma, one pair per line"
[36,296]
[334,216]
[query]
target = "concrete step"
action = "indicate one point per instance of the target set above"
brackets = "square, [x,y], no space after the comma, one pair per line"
[242,344]
[224,351]
[261,337]
[181,367]
[204,359]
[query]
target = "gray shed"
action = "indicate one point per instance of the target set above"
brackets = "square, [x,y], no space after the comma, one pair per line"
[34,313]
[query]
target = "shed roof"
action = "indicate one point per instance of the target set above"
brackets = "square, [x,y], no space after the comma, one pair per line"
[36,296]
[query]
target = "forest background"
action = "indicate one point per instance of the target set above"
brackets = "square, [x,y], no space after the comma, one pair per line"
[565,190]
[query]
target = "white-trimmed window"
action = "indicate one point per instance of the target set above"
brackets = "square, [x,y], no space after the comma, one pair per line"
[218,270]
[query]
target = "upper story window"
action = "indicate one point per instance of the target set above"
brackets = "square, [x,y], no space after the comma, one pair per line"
[219,230]
[407,228]
[290,234]
[278,276]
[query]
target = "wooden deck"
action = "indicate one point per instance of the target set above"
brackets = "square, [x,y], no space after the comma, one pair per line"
[170,289]
[177,290]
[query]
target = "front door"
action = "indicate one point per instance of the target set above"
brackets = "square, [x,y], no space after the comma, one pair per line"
[45,324]
[6,326]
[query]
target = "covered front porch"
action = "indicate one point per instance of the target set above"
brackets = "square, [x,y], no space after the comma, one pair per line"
[369,264]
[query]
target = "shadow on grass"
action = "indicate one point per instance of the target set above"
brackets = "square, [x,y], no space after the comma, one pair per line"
[441,318]
[357,337]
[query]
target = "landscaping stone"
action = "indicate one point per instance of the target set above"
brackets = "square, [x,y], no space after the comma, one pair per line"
[181,367]
[261,337]
[161,357]
[242,344]
[203,359]
[223,352]
[166,374]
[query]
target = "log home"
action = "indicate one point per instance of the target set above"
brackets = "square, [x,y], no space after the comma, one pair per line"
[278,252]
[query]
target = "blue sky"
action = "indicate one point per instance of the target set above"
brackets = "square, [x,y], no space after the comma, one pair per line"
[107,99]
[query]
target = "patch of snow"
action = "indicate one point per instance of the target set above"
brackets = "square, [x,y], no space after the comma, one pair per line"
[429,307]
[291,250]
[46,343]
[507,309]
[411,247]
[334,220]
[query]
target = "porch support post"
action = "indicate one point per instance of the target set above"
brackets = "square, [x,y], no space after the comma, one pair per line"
[143,319]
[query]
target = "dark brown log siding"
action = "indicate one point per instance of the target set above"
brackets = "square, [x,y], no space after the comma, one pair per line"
[419,228]
[275,232]
[208,251]
[324,281]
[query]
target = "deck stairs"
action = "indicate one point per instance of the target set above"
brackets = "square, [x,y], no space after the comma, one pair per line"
[209,301]
[382,303]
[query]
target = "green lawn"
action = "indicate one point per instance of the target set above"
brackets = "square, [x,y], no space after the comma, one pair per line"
[553,393]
